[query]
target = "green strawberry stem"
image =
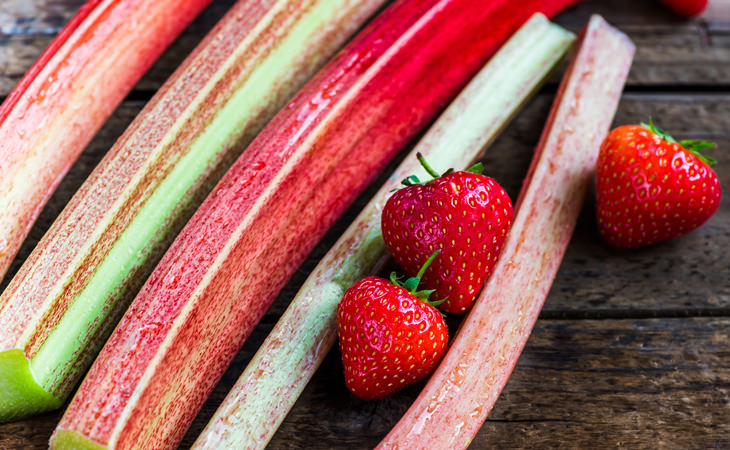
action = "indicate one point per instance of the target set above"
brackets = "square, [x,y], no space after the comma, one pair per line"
[426,166]
[426,264]
[411,284]
[413,180]
[692,146]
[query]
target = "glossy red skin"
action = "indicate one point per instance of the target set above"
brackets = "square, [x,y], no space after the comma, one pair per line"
[70,91]
[464,215]
[223,282]
[649,190]
[687,8]
[388,338]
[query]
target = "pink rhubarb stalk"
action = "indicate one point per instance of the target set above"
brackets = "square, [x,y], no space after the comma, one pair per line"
[271,208]
[65,300]
[460,394]
[299,342]
[66,96]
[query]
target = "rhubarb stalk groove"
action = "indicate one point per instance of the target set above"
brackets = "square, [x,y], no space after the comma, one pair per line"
[290,355]
[69,294]
[461,393]
[68,93]
[271,208]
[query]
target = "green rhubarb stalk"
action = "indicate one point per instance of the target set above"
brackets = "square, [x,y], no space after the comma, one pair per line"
[67,297]
[290,355]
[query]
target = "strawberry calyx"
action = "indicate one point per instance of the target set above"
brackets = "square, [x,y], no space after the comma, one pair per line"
[695,147]
[692,146]
[411,284]
[413,180]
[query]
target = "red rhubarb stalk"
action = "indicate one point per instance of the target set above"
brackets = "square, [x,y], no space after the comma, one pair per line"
[461,393]
[249,236]
[69,92]
[67,297]
[299,342]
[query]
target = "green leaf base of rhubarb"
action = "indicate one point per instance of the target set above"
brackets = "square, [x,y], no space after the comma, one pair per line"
[20,393]
[66,439]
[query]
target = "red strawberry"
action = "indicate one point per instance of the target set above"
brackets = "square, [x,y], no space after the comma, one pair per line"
[389,336]
[687,8]
[466,215]
[651,188]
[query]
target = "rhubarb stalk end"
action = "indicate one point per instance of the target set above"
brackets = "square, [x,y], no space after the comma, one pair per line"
[20,393]
[71,440]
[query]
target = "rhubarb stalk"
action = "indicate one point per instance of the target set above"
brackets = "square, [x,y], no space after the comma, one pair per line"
[66,96]
[461,393]
[290,355]
[271,208]
[69,294]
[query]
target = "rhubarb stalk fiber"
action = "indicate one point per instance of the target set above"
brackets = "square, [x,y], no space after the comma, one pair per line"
[460,394]
[271,208]
[290,355]
[67,297]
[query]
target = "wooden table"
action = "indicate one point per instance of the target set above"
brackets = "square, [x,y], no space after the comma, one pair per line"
[630,349]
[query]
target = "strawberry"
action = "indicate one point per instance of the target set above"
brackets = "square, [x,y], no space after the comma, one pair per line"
[464,214]
[390,335]
[650,188]
[687,8]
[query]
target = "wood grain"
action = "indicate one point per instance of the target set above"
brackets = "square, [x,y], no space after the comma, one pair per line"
[657,383]
[670,51]
[631,347]
[651,383]
[27,27]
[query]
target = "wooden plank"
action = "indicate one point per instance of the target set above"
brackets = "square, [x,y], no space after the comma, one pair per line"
[35,17]
[47,16]
[670,50]
[653,383]
[579,384]
[26,28]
